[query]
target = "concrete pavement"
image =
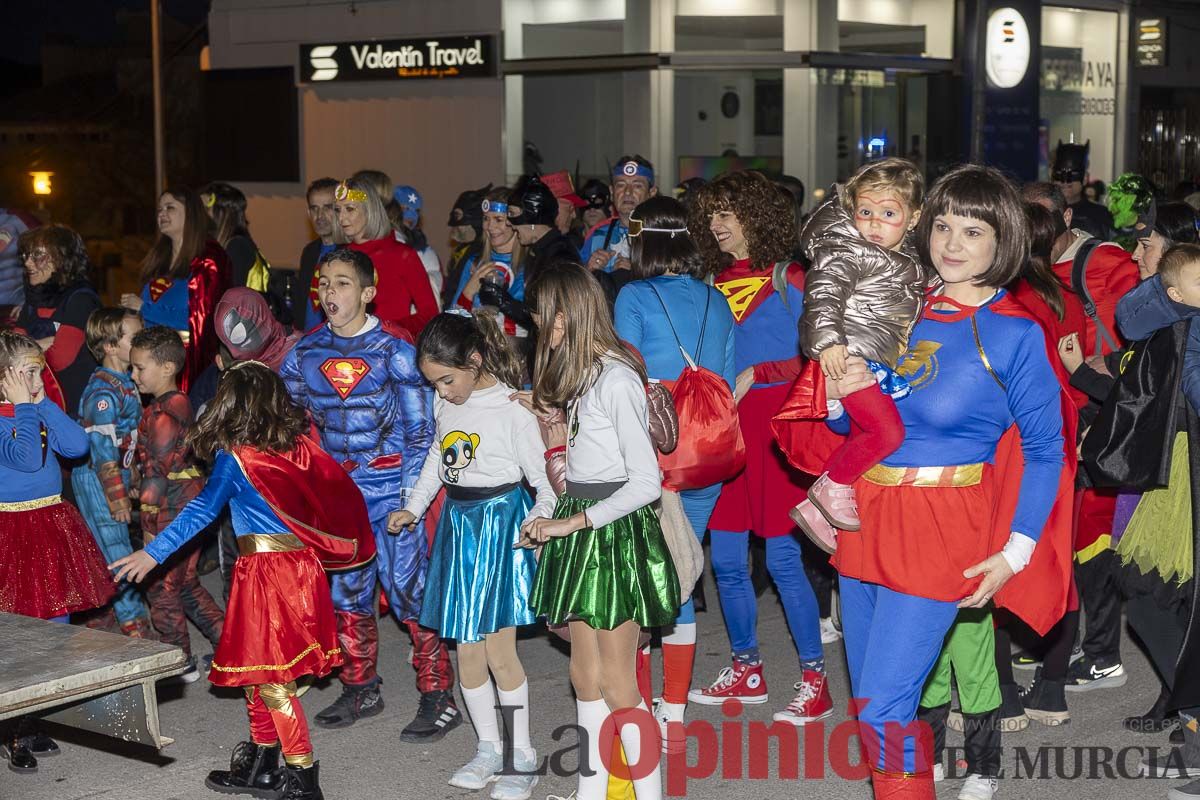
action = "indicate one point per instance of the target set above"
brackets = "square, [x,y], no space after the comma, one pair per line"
[368,762]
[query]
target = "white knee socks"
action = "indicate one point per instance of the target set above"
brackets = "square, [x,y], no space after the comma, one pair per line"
[517,702]
[481,706]
[591,715]
[648,787]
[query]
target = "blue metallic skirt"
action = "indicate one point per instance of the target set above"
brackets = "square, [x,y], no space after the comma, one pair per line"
[477,583]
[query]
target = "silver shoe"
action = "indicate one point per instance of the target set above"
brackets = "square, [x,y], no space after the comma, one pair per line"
[480,770]
[519,783]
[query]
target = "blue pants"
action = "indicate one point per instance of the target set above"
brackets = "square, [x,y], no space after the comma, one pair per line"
[698,505]
[399,565]
[731,565]
[892,643]
[111,536]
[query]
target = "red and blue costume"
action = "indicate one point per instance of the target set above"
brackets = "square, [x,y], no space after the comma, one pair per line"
[375,414]
[984,456]
[187,306]
[295,514]
[767,304]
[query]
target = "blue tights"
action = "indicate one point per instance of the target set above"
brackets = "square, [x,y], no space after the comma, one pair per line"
[731,565]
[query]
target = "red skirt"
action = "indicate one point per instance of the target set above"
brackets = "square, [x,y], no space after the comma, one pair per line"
[759,498]
[279,623]
[919,539]
[50,564]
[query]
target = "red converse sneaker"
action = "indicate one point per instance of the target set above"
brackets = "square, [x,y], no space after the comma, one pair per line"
[836,502]
[742,682]
[815,526]
[812,703]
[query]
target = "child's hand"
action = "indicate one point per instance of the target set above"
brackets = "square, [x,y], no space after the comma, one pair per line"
[122,516]
[1070,352]
[833,361]
[133,567]
[399,520]
[540,530]
[15,387]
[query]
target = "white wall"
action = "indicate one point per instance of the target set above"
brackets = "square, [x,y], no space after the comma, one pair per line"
[937,16]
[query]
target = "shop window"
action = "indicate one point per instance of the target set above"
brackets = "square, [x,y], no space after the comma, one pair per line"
[1079,84]
[742,33]
[897,27]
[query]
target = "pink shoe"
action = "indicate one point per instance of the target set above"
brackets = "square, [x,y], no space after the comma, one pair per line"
[815,526]
[836,503]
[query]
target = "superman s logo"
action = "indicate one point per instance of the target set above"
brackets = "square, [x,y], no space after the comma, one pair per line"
[158,287]
[344,374]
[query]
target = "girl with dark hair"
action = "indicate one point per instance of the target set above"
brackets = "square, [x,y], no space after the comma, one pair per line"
[605,568]
[668,309]
[226,207]
[59,298]
[939,539]
[477,588]
[1163,227]
[183,276]
[745,228]
[279,623]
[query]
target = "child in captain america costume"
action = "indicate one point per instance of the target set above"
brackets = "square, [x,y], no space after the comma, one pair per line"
[745,228]
[110,411]
[359,380]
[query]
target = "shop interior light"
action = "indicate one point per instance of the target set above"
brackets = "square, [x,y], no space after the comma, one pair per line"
[41,182]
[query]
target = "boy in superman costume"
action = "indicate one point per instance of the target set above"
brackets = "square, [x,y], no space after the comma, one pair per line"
[359,380]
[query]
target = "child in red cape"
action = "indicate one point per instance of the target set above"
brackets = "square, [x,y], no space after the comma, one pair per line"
[296,513]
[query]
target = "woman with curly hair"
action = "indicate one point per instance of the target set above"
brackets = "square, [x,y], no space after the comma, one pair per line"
[745,228]
[59,298]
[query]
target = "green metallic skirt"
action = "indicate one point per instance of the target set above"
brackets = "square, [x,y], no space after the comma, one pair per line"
[607,576]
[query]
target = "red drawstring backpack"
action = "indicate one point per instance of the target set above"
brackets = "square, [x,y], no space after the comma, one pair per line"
[710,448]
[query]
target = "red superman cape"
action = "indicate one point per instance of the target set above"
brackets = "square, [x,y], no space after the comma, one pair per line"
[316,499]
[208,277]
[1039,593]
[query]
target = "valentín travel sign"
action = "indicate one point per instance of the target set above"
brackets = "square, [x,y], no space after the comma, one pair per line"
[399,59]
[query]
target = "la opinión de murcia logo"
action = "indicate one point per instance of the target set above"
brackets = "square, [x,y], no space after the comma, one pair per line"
[325,66]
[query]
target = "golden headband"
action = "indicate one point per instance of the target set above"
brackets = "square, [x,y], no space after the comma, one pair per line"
[248,362]
[344,192]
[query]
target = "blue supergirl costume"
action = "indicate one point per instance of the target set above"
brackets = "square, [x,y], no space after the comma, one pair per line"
[974,372]
[478,583]
[767,304]
[110,410]
[373,409]
[640,321]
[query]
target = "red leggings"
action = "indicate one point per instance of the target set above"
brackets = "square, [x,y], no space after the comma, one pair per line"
[876,430]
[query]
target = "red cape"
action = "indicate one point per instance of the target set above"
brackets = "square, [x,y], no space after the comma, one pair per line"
[207,279]
[316,499]
[1038,594]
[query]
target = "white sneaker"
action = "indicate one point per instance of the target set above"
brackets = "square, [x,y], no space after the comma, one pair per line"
[977,787]
[673,740]
[939,773]
[829,633]
[518,786]
[480,770]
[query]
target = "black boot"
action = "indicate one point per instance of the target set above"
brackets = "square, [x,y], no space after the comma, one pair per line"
[303,783]
[253,770]
[935,717]
[437,715]
[17,752]
[1179,762]
[354,703]
[1012,711]
[1045,701]
[981,733]
[1156,720]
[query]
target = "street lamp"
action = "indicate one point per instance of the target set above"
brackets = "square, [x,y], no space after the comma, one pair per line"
[41,182]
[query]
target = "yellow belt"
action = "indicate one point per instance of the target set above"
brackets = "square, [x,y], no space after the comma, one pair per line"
[946,477]
[252,543]
[184,474]
[31,505]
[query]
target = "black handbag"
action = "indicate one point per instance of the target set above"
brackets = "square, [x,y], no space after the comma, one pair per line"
[1129,443]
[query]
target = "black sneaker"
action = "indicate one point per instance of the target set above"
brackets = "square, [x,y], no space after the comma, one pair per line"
[1156,720]
[17,754]
[1025,661]
[436,715]
[1045,701]
[355,703]
[1085,675]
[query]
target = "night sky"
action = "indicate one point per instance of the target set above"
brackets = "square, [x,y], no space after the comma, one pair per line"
[92,22]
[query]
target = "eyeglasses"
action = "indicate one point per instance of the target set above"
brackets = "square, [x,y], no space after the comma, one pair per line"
[38,257]
[637,227]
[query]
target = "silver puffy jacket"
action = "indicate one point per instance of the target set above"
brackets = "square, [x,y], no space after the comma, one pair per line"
[855,292]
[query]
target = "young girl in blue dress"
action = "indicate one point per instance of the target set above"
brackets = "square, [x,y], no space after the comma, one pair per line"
[477,588]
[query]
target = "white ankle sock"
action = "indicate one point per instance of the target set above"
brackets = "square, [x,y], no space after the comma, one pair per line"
[650,786]
[591,715]
[481,707]
[518,702]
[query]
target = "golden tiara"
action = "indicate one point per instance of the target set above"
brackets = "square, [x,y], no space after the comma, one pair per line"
[344,192]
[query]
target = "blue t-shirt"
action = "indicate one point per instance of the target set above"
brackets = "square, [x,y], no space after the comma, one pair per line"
[642,321]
